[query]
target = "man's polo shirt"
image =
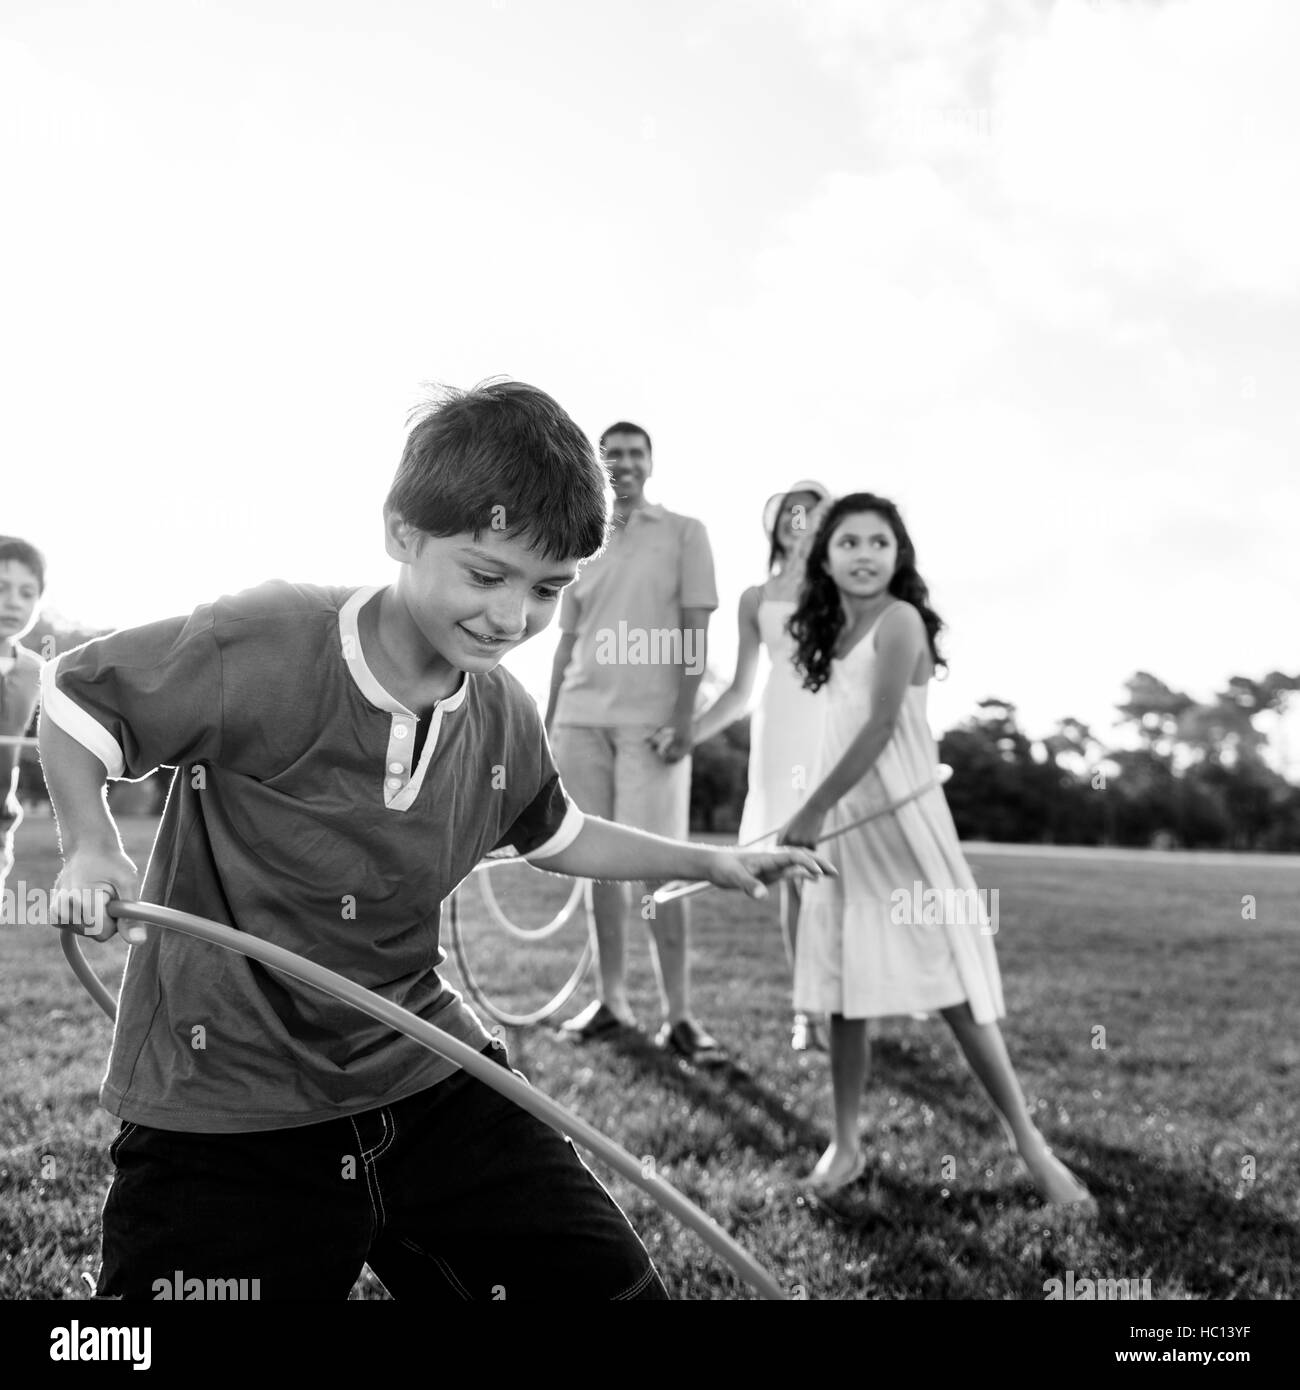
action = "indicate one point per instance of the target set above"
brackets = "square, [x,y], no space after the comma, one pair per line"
[626,609]
[297,815]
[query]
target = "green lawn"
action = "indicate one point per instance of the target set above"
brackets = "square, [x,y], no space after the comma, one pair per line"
[1194,1091]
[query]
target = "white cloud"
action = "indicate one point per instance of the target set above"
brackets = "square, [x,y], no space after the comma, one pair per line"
[1032,333]
[1010,263]
[1161,139]
[1152,140]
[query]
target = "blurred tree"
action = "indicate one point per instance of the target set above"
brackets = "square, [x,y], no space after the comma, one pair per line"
[720,779]
[1155,711]
[1077,810]
[1225,732]
[1199,777]
[1071,744]
[999,790]
[719,767]
[1228,752]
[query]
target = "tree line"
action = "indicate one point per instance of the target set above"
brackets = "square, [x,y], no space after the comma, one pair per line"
[1181,774]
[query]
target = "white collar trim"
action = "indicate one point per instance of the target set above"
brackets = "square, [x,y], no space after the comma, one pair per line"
[363,676]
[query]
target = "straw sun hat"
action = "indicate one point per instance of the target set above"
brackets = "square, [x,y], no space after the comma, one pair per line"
[773,504]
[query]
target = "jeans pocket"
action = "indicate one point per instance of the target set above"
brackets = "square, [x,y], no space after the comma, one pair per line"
[127,1130]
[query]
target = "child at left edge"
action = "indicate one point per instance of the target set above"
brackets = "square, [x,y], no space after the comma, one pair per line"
[22,581]
[356,746]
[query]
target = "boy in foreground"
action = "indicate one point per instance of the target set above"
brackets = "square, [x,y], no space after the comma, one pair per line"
[344,757]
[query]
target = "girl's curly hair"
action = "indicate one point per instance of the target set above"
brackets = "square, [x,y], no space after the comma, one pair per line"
[818,620]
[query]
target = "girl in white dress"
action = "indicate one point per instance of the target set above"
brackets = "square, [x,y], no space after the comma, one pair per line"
[785,727]
[864,629]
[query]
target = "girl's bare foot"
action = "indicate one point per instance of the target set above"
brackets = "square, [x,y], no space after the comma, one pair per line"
[836,1169]
[806,1034]
[1056,1184]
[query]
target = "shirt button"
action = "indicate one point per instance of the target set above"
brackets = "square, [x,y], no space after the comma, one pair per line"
[393,783]
[400,731]
[395,767]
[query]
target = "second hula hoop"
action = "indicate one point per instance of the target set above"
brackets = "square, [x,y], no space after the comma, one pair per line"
[495,1011]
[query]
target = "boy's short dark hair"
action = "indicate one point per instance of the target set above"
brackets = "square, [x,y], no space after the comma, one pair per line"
[12,548]
[627,427]
[503,456]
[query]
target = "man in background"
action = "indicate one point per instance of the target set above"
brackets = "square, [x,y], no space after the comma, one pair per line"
[633,631]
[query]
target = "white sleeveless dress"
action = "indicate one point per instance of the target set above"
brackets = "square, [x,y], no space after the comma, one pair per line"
[784,732]
[864,948]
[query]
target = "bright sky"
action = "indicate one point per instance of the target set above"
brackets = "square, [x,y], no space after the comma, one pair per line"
[1030,269]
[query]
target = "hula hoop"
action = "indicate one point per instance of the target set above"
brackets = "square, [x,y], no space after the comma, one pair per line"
[675,891]
[487,893]
[490,1073]
[495,1011]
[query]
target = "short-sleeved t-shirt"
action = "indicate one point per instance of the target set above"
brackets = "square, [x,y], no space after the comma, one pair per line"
[297,815]
[625,608]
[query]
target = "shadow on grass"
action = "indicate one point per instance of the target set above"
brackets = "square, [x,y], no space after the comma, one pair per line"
[913,1071]
[1190,1228]
[1183,1231]
[731,1092]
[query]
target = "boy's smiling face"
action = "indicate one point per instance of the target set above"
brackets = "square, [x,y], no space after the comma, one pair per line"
[20,593]
[474,598]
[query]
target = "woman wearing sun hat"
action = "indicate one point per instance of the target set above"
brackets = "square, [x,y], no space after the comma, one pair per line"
[786,723]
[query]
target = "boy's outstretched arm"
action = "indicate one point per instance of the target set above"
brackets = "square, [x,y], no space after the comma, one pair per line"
[95,866]
[603,850]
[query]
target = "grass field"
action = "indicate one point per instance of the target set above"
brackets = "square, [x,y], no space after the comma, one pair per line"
[1184,1124]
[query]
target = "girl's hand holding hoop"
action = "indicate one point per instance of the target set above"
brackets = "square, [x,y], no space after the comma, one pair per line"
[803,828]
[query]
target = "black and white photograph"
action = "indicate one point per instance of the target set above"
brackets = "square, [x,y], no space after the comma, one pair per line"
[648,652]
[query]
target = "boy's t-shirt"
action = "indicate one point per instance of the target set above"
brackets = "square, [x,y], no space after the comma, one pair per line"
[296,815]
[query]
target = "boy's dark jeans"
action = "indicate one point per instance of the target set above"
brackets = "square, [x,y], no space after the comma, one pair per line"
[454,1193]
